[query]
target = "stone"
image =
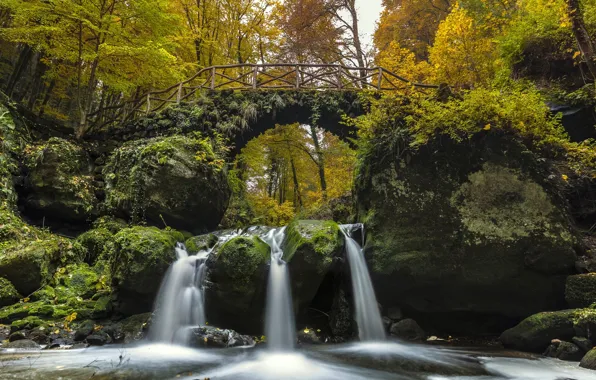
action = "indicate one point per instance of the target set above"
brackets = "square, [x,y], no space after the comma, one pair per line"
[408,329]
[8,294]
[134,328]
[78,346]
[584,344]
[199,243]
[179,181]
[236,282]
[17,335]
[395,314]
[59,184]
[340,316]
[536,332]
[213,337]
[39,336]
[23,344]
[98,338]
[580,290]
[308,336]
[387,322]
[468,227]
[141,257]
[310,247]
[84,330]
[564,351]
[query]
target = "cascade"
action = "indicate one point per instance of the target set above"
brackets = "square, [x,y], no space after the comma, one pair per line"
[368,317]
[180,301]
[279,326]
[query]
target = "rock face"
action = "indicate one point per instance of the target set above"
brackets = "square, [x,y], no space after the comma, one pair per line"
[236,282]
[141,258]
[580,290]
[465,227]
[180,181]
[309,249]
[59,182]
[408,329]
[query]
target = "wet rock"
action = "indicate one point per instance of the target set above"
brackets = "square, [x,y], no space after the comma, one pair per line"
[408,329]
[18,335]
[213,337]
[584,344]
[199,243]
[78,346]
[535,333]
[501,241]
[23,344]
[309,249]
[395,314]
[84,330]
[134,328]
[236,284]
[564,351]
[580,290]
[59,184]
[99,338]
[340,316]
[141,258]
[39,336]
[161,181]
[387,322]
[589,360]
[308,336]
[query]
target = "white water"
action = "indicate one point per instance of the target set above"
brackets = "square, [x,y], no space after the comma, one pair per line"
[279,324]
[368,317]
[180,301]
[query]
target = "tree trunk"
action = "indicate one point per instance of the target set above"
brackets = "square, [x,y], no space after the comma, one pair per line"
[297,195]
[320,160]
[351,5]
[18,70]
[586,46]
[88,100]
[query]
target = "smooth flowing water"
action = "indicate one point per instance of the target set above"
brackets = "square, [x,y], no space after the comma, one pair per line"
[180,301]
[368,316]
[279,324]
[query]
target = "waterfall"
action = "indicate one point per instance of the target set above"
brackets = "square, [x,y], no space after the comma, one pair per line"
[368,317]
[279,326]
[180,301]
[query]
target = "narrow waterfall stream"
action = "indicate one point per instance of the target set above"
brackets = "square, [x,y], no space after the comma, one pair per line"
[180,301]
[368,317]
[280,326]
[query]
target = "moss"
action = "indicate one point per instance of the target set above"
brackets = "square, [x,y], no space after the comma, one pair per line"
[317,241]
[98,242]
[241,259]
[8,293]
[59,180]
[175,181]
[109,223]
[580,290]
[200,243]
[27,323]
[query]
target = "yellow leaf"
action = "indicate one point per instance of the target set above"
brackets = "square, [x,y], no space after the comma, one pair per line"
[576,54]
[565,178]
[306,331]
[487,127]
[205,339]
[56,331]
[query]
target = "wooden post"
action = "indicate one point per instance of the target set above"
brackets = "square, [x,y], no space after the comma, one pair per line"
[179,95]
[255,73]
[297,77]
[380,84]
[148,104]
[213,78]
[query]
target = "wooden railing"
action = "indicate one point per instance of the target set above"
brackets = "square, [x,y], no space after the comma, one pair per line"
[283,76]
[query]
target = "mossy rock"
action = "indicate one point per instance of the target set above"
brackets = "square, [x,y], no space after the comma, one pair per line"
[13,136]
[177,181]
[580,290]
[475,226]
[236,282]
[8,293]
[200,243]
[535,333]
[98,242]
[59,183]
[141,258]
[309,249]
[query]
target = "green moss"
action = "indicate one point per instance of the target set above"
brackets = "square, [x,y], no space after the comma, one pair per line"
[196,244]
[241,259]
[99,242]
[580,290]
[27,323]
[316,241]
[8,293]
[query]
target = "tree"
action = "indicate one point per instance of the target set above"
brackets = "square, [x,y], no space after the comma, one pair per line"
[580,32]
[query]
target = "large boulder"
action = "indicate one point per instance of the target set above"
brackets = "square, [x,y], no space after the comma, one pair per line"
[580,290]
[589,360]
[59,183]
[213,337]
[180,181]
[235,286]
[8,293]
[309,249]
[474,227]
[140,260]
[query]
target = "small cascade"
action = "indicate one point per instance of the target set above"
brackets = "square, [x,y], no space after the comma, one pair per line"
[280,326]
[180,301]
[368,317]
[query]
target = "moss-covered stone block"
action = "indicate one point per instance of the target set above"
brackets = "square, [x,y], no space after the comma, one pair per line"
[580,290]
[141,258]
[59,183]
[8,293]
[176,181]
[309,248]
